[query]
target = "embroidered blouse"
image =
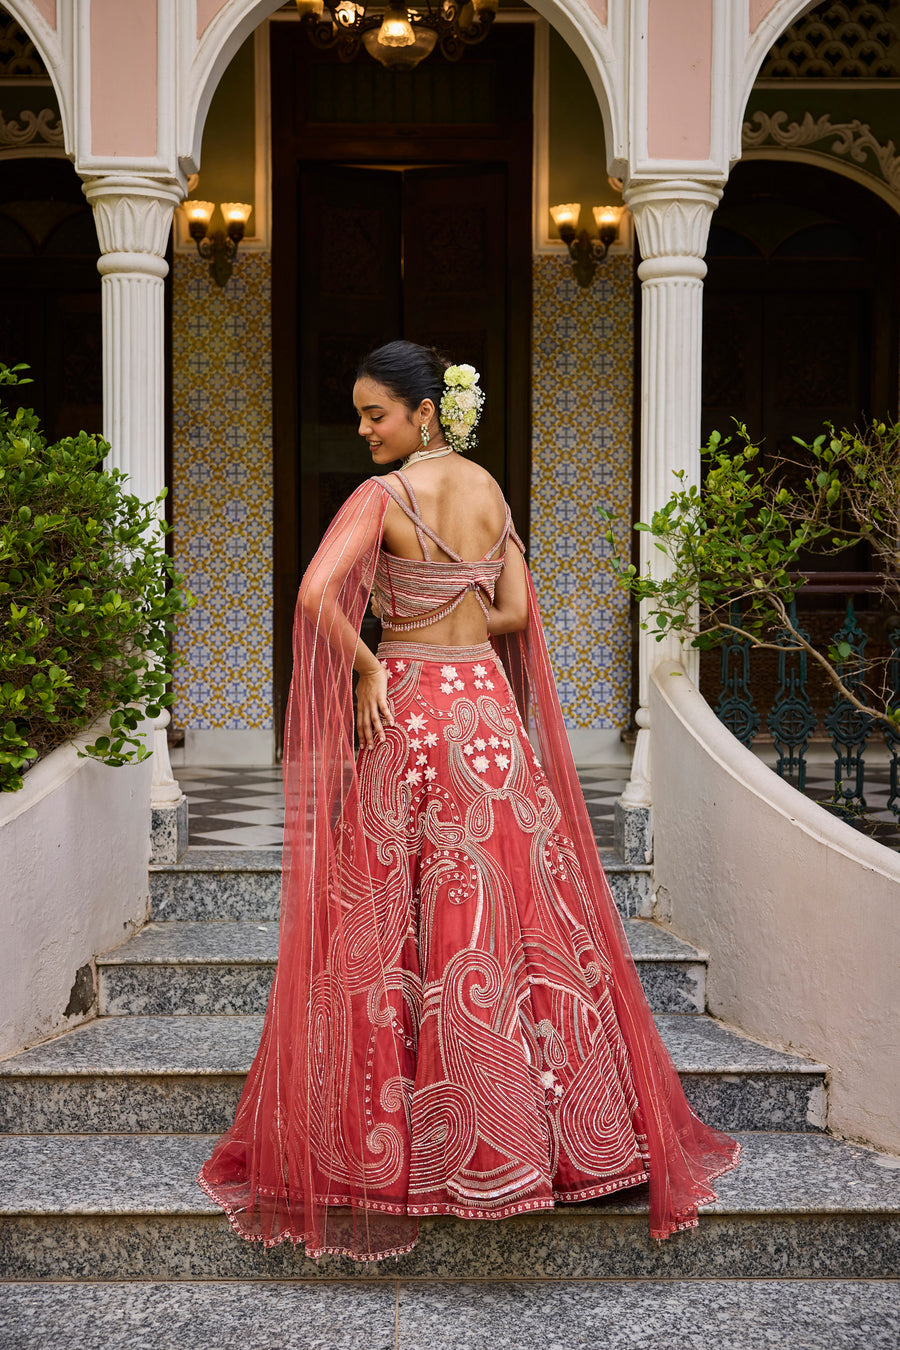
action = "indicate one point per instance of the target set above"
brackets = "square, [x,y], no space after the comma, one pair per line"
[417,592]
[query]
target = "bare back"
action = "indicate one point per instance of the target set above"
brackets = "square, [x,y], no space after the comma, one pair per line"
[461,503]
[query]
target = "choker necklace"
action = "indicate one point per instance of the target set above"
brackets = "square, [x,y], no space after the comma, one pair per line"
[426,454]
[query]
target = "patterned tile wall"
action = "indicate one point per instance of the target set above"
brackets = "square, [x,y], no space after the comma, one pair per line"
[581,458]
[222,492]
[222,487]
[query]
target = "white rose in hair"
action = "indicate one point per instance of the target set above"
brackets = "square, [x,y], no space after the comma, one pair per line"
[459,428]
[466,399]
[467,376]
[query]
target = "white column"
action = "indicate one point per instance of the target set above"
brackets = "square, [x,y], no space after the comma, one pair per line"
[672,220]
[133,216]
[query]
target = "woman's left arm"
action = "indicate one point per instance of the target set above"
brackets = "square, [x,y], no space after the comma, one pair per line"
[509,612]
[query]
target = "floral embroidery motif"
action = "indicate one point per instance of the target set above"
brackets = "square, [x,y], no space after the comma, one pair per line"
[544,1105]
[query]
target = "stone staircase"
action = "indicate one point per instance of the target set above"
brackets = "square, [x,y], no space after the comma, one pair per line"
[106,1240]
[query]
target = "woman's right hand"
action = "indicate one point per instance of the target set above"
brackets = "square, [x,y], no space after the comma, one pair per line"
[373,708]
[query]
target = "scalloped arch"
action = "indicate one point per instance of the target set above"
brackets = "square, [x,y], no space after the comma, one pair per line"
[49,45]
[768,30]
[575,20]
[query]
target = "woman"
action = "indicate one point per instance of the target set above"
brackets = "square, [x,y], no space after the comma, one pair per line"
[455,1025]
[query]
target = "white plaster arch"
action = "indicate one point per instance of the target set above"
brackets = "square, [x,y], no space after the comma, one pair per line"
[575,20]
[780,16]
[54,48]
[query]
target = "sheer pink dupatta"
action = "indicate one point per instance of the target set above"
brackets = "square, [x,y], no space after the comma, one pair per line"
[294,1163]
[685,1154]
[297,1160]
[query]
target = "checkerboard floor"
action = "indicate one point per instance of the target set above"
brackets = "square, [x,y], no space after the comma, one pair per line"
[244,807]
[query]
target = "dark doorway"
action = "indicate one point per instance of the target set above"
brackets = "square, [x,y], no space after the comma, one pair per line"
[50,293]
[401,209]
[799,323]
[800,329]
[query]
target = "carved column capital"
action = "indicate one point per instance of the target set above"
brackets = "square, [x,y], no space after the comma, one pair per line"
[672,218]
[133,217]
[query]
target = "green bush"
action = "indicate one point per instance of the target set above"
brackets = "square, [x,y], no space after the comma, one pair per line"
[88,598]
[740,540]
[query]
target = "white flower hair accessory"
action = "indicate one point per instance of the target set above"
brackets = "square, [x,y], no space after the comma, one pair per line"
[461,406]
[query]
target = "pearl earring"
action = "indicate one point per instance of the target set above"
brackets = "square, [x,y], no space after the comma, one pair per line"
[426,435]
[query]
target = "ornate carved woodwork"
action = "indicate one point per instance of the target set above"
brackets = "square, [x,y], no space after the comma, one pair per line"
[839,41]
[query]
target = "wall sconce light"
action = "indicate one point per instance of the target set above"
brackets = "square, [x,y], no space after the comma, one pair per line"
[220,248]
[584,250]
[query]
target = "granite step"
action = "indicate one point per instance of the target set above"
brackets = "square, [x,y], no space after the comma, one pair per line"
[245,883]
[227,967]
[184,1074]
[128,1207]
[218,883]
[414,1315]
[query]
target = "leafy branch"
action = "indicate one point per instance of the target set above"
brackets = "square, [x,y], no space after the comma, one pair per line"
[734,551]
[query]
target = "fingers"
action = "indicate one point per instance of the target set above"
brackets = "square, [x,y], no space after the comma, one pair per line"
[373,710]
[371,718]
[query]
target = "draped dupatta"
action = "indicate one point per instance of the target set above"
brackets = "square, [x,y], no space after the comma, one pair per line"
[301,1159]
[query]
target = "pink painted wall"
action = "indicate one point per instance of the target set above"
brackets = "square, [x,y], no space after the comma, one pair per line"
[206,12]
[123,77]
[600,8]
[679,78]
[47,10]
[758,11]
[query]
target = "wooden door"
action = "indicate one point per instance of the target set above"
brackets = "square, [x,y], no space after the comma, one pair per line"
[401,208]
[454,282]
[349,301]
[384,254]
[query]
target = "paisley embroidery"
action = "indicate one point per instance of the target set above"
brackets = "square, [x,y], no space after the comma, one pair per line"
[497,1078]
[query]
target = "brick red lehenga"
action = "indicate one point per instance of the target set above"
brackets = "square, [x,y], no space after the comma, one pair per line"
[455,1025]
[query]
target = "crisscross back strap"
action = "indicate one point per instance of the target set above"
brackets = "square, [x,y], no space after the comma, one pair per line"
[411,509]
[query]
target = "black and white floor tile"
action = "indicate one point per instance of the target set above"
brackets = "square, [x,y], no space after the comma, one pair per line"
[244,807]
[241,807]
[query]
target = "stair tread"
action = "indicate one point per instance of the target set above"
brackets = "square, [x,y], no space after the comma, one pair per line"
[156,1174]
[730,1314]
[234,859]
[226,1043]
[246,942]
[223,860]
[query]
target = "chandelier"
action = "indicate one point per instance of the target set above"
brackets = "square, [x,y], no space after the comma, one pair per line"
[399,36]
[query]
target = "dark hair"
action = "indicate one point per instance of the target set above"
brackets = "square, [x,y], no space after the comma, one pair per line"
[408,371]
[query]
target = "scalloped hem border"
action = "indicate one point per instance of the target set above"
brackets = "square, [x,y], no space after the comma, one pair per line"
[682,1221]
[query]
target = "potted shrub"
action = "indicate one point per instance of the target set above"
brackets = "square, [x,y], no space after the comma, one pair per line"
[88,598]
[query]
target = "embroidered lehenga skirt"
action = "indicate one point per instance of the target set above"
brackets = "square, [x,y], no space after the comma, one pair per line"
[513,1071]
